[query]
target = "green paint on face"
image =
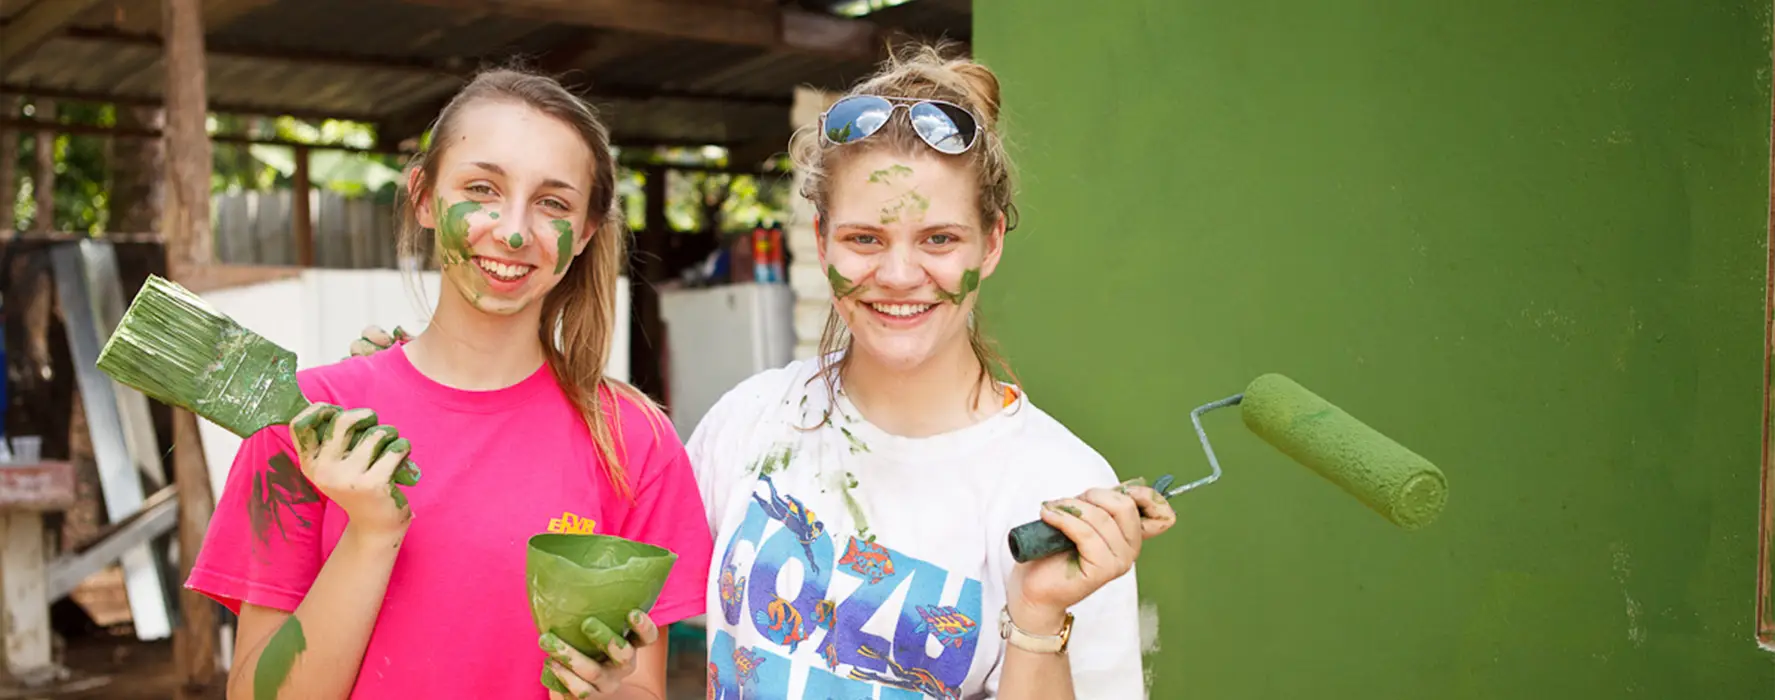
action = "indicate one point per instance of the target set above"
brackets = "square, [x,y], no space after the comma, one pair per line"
[279,655]
[970,281]
[888,174]
[516,240]
[841,286]
[493,215]
[911,206]
[453,230]
[563,243]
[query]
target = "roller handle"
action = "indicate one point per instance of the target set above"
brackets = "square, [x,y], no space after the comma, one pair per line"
[1036,538]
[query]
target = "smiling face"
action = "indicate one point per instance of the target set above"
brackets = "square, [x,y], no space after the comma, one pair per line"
[905,251]
[508,204]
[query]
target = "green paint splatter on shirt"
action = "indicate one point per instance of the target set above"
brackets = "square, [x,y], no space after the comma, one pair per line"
[772,462]
[854,506]
[563,243]
[276,659]
[970,282]
[453,230]
[856,445]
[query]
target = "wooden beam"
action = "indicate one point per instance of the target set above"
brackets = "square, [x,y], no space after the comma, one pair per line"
[745,25]
[43,177]
[450,68]
[157,100]
[185,223]
[40,21]
[127,133]
[301,219]
[9,106]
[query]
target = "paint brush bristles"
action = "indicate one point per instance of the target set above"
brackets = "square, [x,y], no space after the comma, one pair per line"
[176,348]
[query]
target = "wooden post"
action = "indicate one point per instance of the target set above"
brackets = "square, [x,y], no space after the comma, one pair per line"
[43,179]
[301,219]
[27,492]
[8,165]
[185,226]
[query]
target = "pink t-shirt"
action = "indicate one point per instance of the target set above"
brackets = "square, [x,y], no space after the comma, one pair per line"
[496,467]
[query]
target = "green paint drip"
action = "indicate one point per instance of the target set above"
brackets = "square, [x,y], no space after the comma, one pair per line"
[276,659]
[970,282]
[885,175]
[563,243]
[453,230]
[841,285]
[856,445]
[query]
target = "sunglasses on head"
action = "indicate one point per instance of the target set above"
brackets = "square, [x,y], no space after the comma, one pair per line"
[946,127]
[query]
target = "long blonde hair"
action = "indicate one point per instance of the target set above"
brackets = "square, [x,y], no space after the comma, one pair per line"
[582,306]
[917,71]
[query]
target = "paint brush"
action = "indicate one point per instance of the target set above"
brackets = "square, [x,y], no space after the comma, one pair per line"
[1391,480]
[176,348]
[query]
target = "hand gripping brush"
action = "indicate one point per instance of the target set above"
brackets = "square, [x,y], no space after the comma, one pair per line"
[1393,481]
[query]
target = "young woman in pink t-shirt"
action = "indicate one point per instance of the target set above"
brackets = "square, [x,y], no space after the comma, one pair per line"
[347,586]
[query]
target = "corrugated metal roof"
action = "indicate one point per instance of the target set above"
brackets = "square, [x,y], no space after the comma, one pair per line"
[392,62]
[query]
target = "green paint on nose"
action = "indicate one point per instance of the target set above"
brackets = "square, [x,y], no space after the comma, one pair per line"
[516,240]
[563,243]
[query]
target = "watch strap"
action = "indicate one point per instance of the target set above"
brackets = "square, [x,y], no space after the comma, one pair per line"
[1034,643]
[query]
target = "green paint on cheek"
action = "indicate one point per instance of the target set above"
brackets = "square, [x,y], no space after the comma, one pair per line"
[970,282]
[453,230]
[563,243]
[841,285]
[275,661]
[493,215]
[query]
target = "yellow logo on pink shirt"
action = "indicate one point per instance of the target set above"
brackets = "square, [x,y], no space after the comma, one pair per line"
[570,524]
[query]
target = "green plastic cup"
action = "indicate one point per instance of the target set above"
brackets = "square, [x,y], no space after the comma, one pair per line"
[576,578]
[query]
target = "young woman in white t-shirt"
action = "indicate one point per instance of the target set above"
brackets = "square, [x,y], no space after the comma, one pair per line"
[861,501]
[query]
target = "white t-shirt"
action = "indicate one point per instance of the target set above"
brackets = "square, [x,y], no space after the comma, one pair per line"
[850,563]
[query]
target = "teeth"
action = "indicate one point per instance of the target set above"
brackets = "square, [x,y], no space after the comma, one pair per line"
[507,273]
[901,309]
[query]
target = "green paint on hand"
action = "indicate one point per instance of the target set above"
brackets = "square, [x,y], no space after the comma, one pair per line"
[453,230]
[1069,510]
[276,659]
[889,173]
[563,243]
[841,286]
[516,240]
[970,282]
[1073,568]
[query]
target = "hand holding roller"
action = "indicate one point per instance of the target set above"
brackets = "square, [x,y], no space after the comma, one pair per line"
[1395,482]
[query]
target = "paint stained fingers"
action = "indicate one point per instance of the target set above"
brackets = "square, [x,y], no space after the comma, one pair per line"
[377,337]
[642,631]
[309,430]
[1124,513]
[579,672]
[1156,514]
[1068,516]
[363,348]
[401,335]
[369,446]
[346,431]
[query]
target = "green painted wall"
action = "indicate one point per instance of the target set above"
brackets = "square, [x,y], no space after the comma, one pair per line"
[1524,238]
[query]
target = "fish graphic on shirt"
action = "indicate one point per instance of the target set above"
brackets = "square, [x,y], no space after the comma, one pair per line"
[916,680]
[782,623]
[745,664]
[795,516]
[869,559]
[950,626]
[825,613]
[730,587]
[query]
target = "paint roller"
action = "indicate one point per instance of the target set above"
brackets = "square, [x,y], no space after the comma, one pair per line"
[1391,480]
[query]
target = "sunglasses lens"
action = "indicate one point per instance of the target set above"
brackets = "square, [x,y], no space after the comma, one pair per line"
[854,118]
[947,128]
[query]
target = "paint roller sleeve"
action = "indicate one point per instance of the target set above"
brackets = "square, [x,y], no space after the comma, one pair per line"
[1399,484]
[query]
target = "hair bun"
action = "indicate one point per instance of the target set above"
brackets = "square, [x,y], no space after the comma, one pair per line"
[982,89]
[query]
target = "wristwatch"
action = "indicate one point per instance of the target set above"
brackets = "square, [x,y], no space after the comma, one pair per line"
[1034,643]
